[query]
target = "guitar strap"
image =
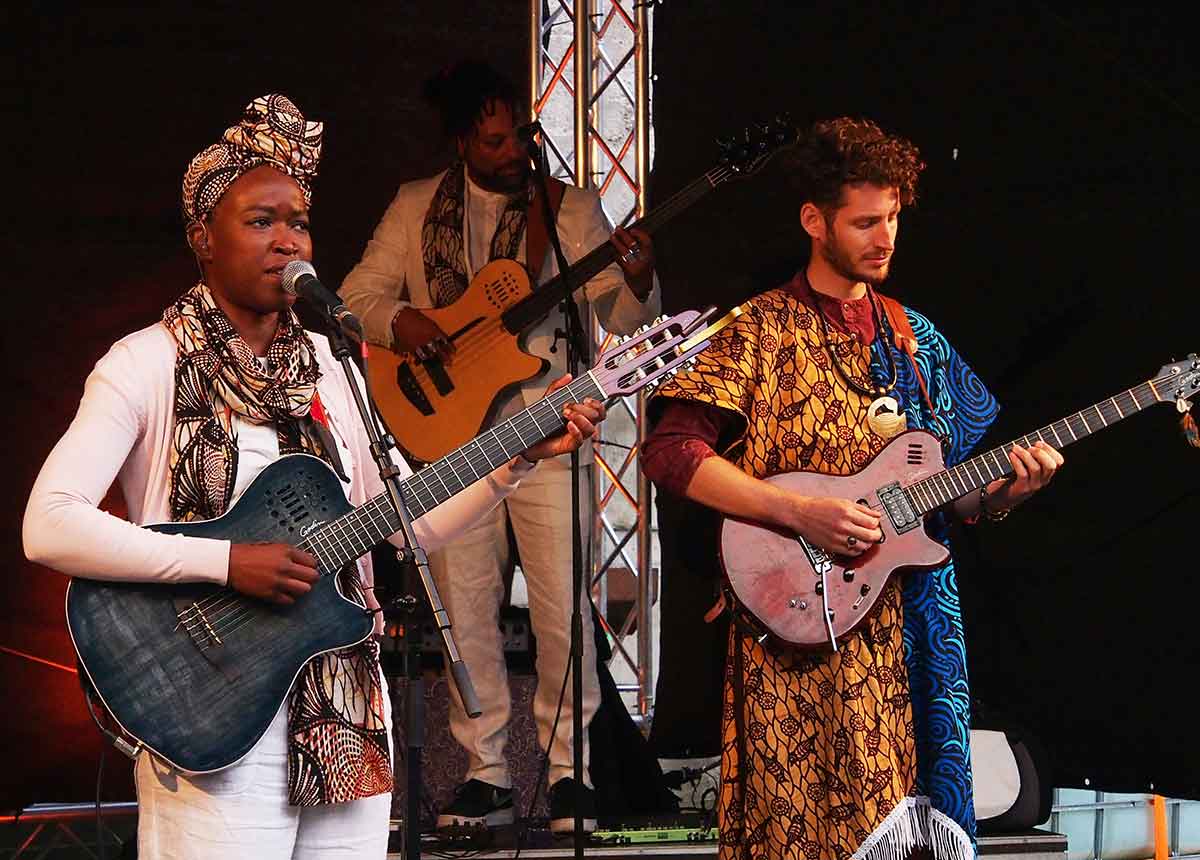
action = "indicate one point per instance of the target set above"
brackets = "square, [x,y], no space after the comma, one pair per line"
[905,340]
[537,240]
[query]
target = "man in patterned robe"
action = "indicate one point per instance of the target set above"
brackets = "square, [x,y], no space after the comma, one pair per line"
[862,752]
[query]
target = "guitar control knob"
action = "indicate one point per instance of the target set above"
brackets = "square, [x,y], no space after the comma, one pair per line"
[848,575]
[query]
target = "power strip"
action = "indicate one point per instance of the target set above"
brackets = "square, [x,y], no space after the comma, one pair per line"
[643,835]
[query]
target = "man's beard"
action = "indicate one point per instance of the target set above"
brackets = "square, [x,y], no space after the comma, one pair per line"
[504,183]
[840,262]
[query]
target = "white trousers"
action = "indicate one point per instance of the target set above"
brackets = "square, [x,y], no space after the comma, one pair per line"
[468,573]
[242,813]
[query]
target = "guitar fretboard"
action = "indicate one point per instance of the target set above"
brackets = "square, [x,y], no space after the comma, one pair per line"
[930,493]
[527,312]
[350,536]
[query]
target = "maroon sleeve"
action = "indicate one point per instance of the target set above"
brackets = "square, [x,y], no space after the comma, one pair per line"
[683,438]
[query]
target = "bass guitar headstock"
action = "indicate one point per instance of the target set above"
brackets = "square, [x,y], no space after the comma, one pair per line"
[747,153]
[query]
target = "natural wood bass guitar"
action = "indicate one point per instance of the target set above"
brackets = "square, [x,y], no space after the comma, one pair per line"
[432,408]
[804,596]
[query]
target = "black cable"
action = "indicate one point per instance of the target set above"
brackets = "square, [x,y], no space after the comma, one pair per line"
[99,818]
[537,786]
[120,744]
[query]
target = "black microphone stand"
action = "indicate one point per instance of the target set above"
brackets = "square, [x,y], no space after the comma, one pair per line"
[413,559]
[577,351]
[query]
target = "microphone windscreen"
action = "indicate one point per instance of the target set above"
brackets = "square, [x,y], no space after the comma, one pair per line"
[293,271]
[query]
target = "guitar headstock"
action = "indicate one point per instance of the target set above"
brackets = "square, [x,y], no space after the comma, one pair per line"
[1176,382]
[660,349]
[745,154]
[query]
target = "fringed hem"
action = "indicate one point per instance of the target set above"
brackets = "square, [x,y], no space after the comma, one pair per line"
[948,839]
[915,824]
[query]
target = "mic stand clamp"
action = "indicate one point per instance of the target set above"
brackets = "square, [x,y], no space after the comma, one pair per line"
[577,351]
[414,693]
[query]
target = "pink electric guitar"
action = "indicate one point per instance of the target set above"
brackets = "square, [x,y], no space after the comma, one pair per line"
[804,596]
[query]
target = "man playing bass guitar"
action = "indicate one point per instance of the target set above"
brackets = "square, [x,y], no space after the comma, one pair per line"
[863,749]
[435,236]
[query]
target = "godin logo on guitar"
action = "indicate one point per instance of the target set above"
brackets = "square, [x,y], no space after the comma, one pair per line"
[311,527]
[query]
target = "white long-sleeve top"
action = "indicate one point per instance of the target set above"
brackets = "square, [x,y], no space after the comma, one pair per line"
[123,432]
[391,274]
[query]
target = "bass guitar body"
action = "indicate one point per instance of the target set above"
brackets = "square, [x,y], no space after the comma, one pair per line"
[433,407]
[777,576]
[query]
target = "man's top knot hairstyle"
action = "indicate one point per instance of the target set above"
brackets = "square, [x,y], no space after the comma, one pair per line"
[465,92]
[846,151]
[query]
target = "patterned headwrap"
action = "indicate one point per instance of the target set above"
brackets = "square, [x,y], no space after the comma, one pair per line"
[272,131]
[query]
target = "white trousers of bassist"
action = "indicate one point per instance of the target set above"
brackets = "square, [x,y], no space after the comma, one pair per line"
[469,575]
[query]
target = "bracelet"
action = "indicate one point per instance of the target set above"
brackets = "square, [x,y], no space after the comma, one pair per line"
[993,516]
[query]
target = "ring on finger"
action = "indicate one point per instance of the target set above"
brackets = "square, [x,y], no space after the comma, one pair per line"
[851,541]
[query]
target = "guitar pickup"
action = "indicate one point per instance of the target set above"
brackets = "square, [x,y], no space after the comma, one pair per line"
[407,382]
[437,372]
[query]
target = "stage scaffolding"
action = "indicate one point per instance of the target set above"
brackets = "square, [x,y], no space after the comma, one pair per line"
[596,121]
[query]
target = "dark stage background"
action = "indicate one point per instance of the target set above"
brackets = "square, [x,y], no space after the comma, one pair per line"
[1057,253]
[1054,251]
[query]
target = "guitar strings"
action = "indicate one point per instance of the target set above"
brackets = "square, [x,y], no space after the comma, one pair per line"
[227,606]
[943,483]
[233,608]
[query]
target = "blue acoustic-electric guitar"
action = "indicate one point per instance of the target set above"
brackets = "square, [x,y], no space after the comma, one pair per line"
[196,672]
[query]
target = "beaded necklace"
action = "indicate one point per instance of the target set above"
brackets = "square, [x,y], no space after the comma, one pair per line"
[883,415]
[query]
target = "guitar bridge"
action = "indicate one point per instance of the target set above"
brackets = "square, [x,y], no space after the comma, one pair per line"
[407,382]
[821,561]
[196,623]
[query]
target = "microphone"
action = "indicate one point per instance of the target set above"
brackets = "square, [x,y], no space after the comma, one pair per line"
[526,132]
[300,279]
[525,135]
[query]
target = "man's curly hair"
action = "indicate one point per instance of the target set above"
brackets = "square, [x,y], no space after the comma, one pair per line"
[845,151]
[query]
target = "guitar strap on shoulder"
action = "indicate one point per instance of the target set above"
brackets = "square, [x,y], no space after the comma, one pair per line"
[537,241]
[905,340]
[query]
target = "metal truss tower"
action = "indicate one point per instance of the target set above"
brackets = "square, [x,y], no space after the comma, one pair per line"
[596,120]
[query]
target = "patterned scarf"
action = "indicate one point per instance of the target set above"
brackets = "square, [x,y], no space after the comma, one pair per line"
[442,236]
[337,745]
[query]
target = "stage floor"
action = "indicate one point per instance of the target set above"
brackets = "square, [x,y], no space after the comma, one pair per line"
[1029,845]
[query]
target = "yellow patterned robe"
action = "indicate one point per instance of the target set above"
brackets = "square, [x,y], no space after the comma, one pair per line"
[818,749]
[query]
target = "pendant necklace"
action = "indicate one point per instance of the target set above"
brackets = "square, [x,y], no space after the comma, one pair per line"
[883,415]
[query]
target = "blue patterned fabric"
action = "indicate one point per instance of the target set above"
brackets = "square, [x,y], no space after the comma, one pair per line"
[934,645]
